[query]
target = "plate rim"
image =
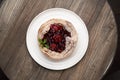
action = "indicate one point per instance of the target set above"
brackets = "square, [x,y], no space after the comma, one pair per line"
[52,9]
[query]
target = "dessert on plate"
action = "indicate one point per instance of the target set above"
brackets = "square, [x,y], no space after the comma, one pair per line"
[57,38]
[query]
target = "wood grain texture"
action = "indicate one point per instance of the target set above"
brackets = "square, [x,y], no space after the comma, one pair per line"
[16,62]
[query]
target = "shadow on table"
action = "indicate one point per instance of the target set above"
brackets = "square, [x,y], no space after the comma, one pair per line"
[114,71]
[2,75]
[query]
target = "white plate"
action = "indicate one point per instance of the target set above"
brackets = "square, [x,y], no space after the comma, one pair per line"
[32,43]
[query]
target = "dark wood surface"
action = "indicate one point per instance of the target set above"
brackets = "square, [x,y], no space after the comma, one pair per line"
[114,70]
[17,64]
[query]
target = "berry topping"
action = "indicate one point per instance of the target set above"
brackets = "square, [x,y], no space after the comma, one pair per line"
[53,46]
[55,37]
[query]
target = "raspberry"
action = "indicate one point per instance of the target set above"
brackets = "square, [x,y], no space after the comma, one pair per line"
[54,28]
[53,46]
[57,38]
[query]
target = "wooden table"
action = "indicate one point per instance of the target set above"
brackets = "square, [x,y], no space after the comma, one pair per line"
[15,60]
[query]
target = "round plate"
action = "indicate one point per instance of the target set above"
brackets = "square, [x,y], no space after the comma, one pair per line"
[33,46]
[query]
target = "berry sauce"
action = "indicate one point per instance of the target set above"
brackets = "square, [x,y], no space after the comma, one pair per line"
[56,37]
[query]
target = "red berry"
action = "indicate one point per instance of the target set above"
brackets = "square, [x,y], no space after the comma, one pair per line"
[53,46]
[60,27]
[54,28]
[57,38]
